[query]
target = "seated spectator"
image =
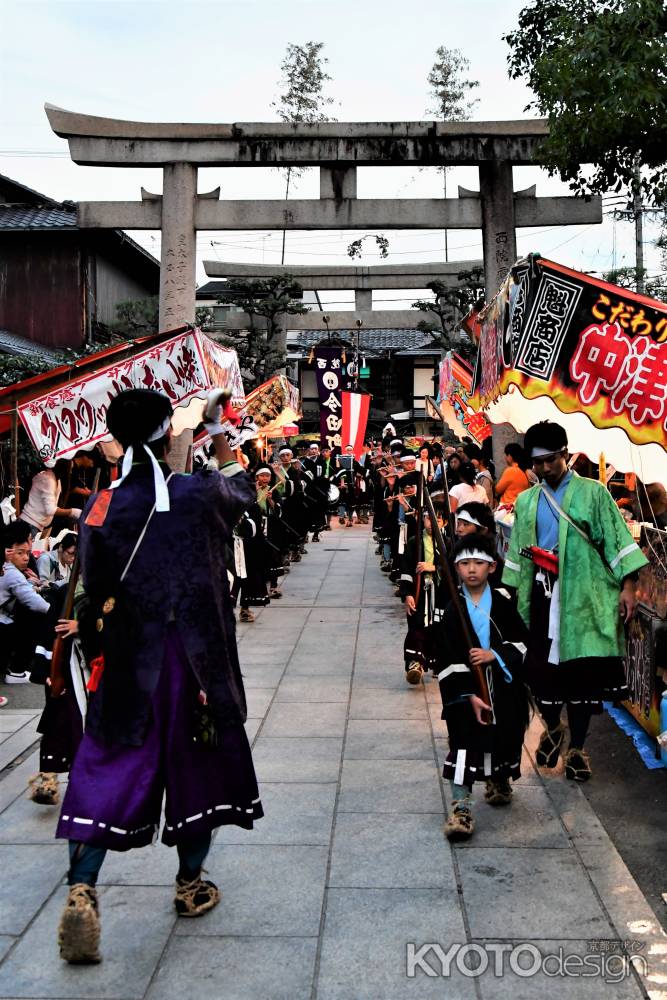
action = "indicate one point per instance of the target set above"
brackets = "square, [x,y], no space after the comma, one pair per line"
[514,479]
[19,601]
[56,566]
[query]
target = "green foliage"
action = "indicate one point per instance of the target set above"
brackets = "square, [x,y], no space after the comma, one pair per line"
[355,250]
[303,80]
[450,91]
[627,277]
[450,306]
[303,99]
[15,369]
[136,318]
[597,69]
[261,348]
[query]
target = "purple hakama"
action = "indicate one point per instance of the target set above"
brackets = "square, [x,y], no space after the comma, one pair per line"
[114,798]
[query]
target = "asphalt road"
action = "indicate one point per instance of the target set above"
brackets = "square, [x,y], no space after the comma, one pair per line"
[628,798]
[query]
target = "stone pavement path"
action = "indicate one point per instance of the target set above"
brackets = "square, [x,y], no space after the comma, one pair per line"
[350,866]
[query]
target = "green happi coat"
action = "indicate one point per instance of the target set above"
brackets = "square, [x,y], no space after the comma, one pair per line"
[590,624]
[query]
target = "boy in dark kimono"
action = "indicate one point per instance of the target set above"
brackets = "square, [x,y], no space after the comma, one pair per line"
[422,591]
[485,739]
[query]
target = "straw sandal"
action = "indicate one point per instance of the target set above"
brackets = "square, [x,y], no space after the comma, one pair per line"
[460,824]
[577,765]
[79,928]
[414,673]
[43,788]
[194,898]
[498,793]
[548,748]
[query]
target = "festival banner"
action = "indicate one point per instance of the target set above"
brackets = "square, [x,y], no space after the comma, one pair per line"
[562,345]
[356,407]
[185,367]
[454,390]
[330,378]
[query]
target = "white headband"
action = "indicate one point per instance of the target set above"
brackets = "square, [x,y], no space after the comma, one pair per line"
[261,470]
[467,516]
[159,482]
[285,451]
[474,554]
[539,452]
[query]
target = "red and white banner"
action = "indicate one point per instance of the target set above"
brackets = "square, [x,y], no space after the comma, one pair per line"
[73,417]
[356,406]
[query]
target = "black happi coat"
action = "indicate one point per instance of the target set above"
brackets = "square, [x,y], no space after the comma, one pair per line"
[317,491]
[503,739]
[253,587]
[294,505]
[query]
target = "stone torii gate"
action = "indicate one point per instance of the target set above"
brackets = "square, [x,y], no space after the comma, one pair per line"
[360,279]
[338,149]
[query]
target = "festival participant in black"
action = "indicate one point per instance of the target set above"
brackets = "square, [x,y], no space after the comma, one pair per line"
[317,489]
[481,749]
[348,477]
[251,563]
[329,464]
[272,527]
[407,493]
[168,706]
[365,482]
[423,592]
[62,721]
[291,489]
[388,527]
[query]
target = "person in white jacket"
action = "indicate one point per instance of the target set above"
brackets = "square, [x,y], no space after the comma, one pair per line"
[48,487]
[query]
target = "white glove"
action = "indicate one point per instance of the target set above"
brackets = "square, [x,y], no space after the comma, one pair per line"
[76,513]
[212,415]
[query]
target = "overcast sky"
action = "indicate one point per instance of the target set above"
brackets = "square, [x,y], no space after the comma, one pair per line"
[155,60]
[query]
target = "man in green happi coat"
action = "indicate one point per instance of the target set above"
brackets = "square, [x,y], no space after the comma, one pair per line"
[574,566]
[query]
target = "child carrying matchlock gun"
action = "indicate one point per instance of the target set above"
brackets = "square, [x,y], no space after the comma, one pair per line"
[480,656]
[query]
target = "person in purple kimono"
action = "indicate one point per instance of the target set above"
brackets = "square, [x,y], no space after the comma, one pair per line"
[167,713]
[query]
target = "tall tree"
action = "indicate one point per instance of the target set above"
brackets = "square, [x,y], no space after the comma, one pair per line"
[261,348]
[450,95]
[597,69]
[303,99]
[450,306]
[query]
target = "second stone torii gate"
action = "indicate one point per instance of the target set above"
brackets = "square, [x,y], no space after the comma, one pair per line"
[361,279]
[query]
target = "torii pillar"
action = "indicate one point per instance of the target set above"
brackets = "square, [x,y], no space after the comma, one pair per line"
[179,238]
[496,188]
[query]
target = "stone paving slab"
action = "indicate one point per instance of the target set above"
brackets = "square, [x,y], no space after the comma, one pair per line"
[268,891]
[365,937]
[137,924]
[349,867]
[237,968]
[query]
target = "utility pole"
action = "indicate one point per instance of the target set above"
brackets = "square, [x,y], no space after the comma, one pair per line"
[639,232]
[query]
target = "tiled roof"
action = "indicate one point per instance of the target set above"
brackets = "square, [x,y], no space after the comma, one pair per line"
[13,343]
[369,340]
[212,288]
[37,217]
